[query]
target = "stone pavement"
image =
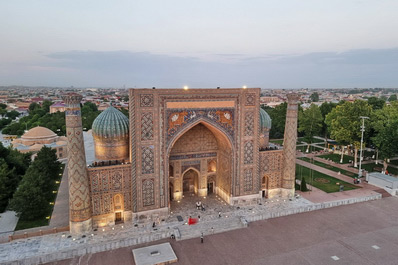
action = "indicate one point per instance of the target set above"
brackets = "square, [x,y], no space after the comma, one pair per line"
[358,234]
[8,221]
[62,245]
[60,215]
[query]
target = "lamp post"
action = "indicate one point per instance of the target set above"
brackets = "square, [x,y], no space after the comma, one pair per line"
[360,153]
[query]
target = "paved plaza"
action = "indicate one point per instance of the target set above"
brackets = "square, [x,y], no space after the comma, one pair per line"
[363,234]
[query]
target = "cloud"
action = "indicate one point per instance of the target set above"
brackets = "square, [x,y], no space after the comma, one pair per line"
[356,68]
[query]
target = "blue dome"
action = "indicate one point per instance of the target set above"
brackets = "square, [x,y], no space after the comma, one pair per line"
[265,120]
[111,123]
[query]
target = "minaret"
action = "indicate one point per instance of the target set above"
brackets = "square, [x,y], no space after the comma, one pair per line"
[79,194]
[289,146]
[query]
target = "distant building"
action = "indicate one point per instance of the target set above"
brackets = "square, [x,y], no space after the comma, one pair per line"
[57,107]
[34,139]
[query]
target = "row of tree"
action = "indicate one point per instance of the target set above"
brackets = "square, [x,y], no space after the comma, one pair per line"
[342,123]
[39,116]
[35,191]
[13,166]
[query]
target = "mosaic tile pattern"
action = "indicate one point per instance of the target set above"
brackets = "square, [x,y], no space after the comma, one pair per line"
[250,99]
[248,180]
[147,158]
[146,100]
[249,123]
[248,153]
[147,126]
[148,195]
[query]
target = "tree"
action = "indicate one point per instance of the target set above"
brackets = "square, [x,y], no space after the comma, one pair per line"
[46,106]
[392,98]
[314,97]
[376,103]
[31,200]
[3,106]
[326,108]
[303,185]
[384,125]
[12,114]
[344,124]
[7,178]
[310,122]
[278,117]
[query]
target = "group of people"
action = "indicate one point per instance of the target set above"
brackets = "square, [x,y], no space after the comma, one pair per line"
[357,180]
[200,206]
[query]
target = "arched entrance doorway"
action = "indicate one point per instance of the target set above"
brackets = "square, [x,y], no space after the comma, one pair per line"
[199,151]
[190,181]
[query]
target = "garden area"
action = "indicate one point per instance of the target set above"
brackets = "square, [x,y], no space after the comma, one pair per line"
[378,168]
[312,148]
[330,167]
[321,181]
[336,158]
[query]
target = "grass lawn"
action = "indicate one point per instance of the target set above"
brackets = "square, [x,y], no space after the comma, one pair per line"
[378,168]
[336,158]
[321,181]
[24,224]
[335,169]
[314,140]
[276,141]
[312,148]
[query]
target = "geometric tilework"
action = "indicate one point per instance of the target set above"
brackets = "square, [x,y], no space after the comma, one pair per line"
[249,123]
[117,181]
[147,160]
[250,99]
[248,179]
[148,189]
[147,100]
[248,153]
[147,126]
[177,119]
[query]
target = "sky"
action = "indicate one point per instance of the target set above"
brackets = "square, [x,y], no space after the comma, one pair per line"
[217,43]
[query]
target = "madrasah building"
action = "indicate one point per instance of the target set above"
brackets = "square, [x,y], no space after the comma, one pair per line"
[175,141]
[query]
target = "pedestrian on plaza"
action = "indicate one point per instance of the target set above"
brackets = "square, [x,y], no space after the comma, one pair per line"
[198,217]
[219,214]
[154,224]
[201,238]
[212,231]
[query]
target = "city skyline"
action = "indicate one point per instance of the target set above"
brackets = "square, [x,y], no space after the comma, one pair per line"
[329,44]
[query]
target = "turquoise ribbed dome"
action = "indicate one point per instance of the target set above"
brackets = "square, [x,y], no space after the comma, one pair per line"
[265,120]
[111,123]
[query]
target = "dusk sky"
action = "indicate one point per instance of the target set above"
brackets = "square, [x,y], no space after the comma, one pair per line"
[226,43]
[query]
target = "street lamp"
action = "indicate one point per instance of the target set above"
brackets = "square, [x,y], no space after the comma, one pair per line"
[360,153]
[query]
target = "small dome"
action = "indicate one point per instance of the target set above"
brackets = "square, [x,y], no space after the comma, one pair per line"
[38,133]
[111,123]
[265,120]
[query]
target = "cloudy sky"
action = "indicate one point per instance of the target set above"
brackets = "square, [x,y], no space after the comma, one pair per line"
[207,43]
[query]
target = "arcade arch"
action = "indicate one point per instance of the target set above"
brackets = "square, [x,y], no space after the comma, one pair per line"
[200,153]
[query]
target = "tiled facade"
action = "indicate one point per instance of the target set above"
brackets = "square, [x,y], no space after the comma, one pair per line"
[198,140]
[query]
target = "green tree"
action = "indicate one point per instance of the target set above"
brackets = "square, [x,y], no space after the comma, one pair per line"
[46,105]
[344,124]
[3,106]
[7,179]
[12,114]
[278,117]
[392,98]
[376,103]
[383,122]
[303,185]
[310,123]
[29,201]
[314,97]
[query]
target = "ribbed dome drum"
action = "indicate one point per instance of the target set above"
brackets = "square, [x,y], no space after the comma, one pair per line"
[265,127]
[111,135]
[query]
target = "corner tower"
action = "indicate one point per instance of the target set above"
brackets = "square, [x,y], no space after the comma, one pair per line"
[80,212]
[289,146]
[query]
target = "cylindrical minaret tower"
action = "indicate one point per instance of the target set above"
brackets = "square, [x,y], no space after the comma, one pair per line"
[289,146]
[79,194]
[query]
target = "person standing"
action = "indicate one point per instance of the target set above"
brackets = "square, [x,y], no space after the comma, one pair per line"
[201,238]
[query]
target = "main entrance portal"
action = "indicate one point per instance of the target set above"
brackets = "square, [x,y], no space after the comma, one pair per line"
[201,162]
